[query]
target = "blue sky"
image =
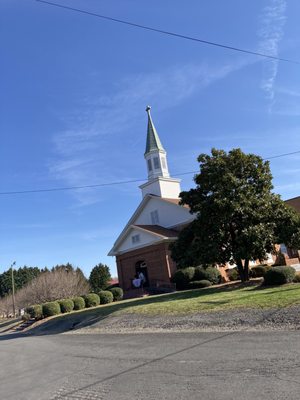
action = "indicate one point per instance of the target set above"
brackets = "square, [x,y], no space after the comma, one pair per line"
[72,110]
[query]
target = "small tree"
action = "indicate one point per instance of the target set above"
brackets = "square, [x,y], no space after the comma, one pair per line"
[99,277]
[238,218]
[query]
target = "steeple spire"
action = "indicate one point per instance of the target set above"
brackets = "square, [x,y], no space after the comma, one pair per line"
[159,181]
[153,142]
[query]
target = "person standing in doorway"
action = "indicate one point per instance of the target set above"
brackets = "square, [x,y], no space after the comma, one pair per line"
[142,278]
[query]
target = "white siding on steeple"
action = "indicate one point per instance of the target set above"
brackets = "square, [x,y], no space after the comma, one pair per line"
[157,164]
[167,188]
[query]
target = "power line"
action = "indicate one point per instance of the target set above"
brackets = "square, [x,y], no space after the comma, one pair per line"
[178,35]
[282,155]
[117,182]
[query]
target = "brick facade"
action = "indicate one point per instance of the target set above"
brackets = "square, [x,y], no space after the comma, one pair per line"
[160,265]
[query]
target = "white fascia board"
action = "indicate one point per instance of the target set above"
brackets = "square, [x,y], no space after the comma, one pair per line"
[137,212]
[130,222]
[182,223]
[150,232]
[117,253]
[138,228]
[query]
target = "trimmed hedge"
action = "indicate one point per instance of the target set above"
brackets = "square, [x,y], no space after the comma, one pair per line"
[211,274]
[199,284]
[51,308]
[66,305]
[259,271]
[91,300]
[297,278]
[106,297]
[117,293]
[35,311]
[79,303]
[233,274]
[279,275]
[182,277]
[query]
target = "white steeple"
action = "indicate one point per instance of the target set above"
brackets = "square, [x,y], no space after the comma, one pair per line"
[159,181]
[155,154]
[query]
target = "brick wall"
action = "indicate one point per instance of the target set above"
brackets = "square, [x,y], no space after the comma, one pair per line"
[160,265]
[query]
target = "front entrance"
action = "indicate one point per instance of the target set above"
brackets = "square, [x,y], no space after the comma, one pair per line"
[142,271]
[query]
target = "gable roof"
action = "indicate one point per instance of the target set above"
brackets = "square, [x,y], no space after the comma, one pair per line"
[136,214]
[294,202]
[158,230]
[175,201]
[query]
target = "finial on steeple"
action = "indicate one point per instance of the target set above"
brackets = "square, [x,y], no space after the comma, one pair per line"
[148,108]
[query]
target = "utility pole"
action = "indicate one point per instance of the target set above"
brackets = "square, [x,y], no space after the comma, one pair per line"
[13,287]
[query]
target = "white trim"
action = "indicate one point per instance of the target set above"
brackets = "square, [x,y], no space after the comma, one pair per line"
[187,221]
[163,240]
[137,212]
[133,227]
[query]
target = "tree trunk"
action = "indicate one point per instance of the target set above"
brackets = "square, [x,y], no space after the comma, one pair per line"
[246,270]
[243,270]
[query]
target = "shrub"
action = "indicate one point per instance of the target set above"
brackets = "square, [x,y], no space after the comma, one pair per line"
[199,273]
[51,308]
[182,277]
[297,278]
[25,317]
[66,305]
[91,300]
[79,303]
[259,271]
[211,274]
[35,311]
[117,293]
[279,275]
[233,274]
[106,297]
[199,284]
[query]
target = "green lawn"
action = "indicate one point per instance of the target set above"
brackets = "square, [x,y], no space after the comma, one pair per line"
[209,299]
[193,301]
[216,299]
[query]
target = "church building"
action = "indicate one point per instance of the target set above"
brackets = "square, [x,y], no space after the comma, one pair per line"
[143,245]
[142,248]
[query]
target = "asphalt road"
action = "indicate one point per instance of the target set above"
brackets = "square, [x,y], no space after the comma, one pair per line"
[234,365]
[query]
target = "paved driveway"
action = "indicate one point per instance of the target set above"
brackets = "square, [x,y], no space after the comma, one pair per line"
[241,365]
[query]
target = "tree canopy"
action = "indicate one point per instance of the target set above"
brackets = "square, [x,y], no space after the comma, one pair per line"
[99,277]
[237,216]
[22,276]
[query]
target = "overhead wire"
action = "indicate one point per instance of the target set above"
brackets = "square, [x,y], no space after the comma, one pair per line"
[117,182]
[140,26]
[164,32]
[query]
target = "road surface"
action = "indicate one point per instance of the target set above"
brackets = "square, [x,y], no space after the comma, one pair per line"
[209,366]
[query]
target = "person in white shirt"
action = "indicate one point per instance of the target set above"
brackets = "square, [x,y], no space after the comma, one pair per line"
[142,278]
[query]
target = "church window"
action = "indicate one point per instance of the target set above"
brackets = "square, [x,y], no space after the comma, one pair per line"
[156,162]
[163,163]
[149,165]
[154,217]
[135,239]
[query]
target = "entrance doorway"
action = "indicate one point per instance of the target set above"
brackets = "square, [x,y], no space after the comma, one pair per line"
[141,267]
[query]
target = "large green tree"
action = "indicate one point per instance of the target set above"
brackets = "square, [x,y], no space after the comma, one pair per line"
[99,277]
[238,218]
[22,276]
